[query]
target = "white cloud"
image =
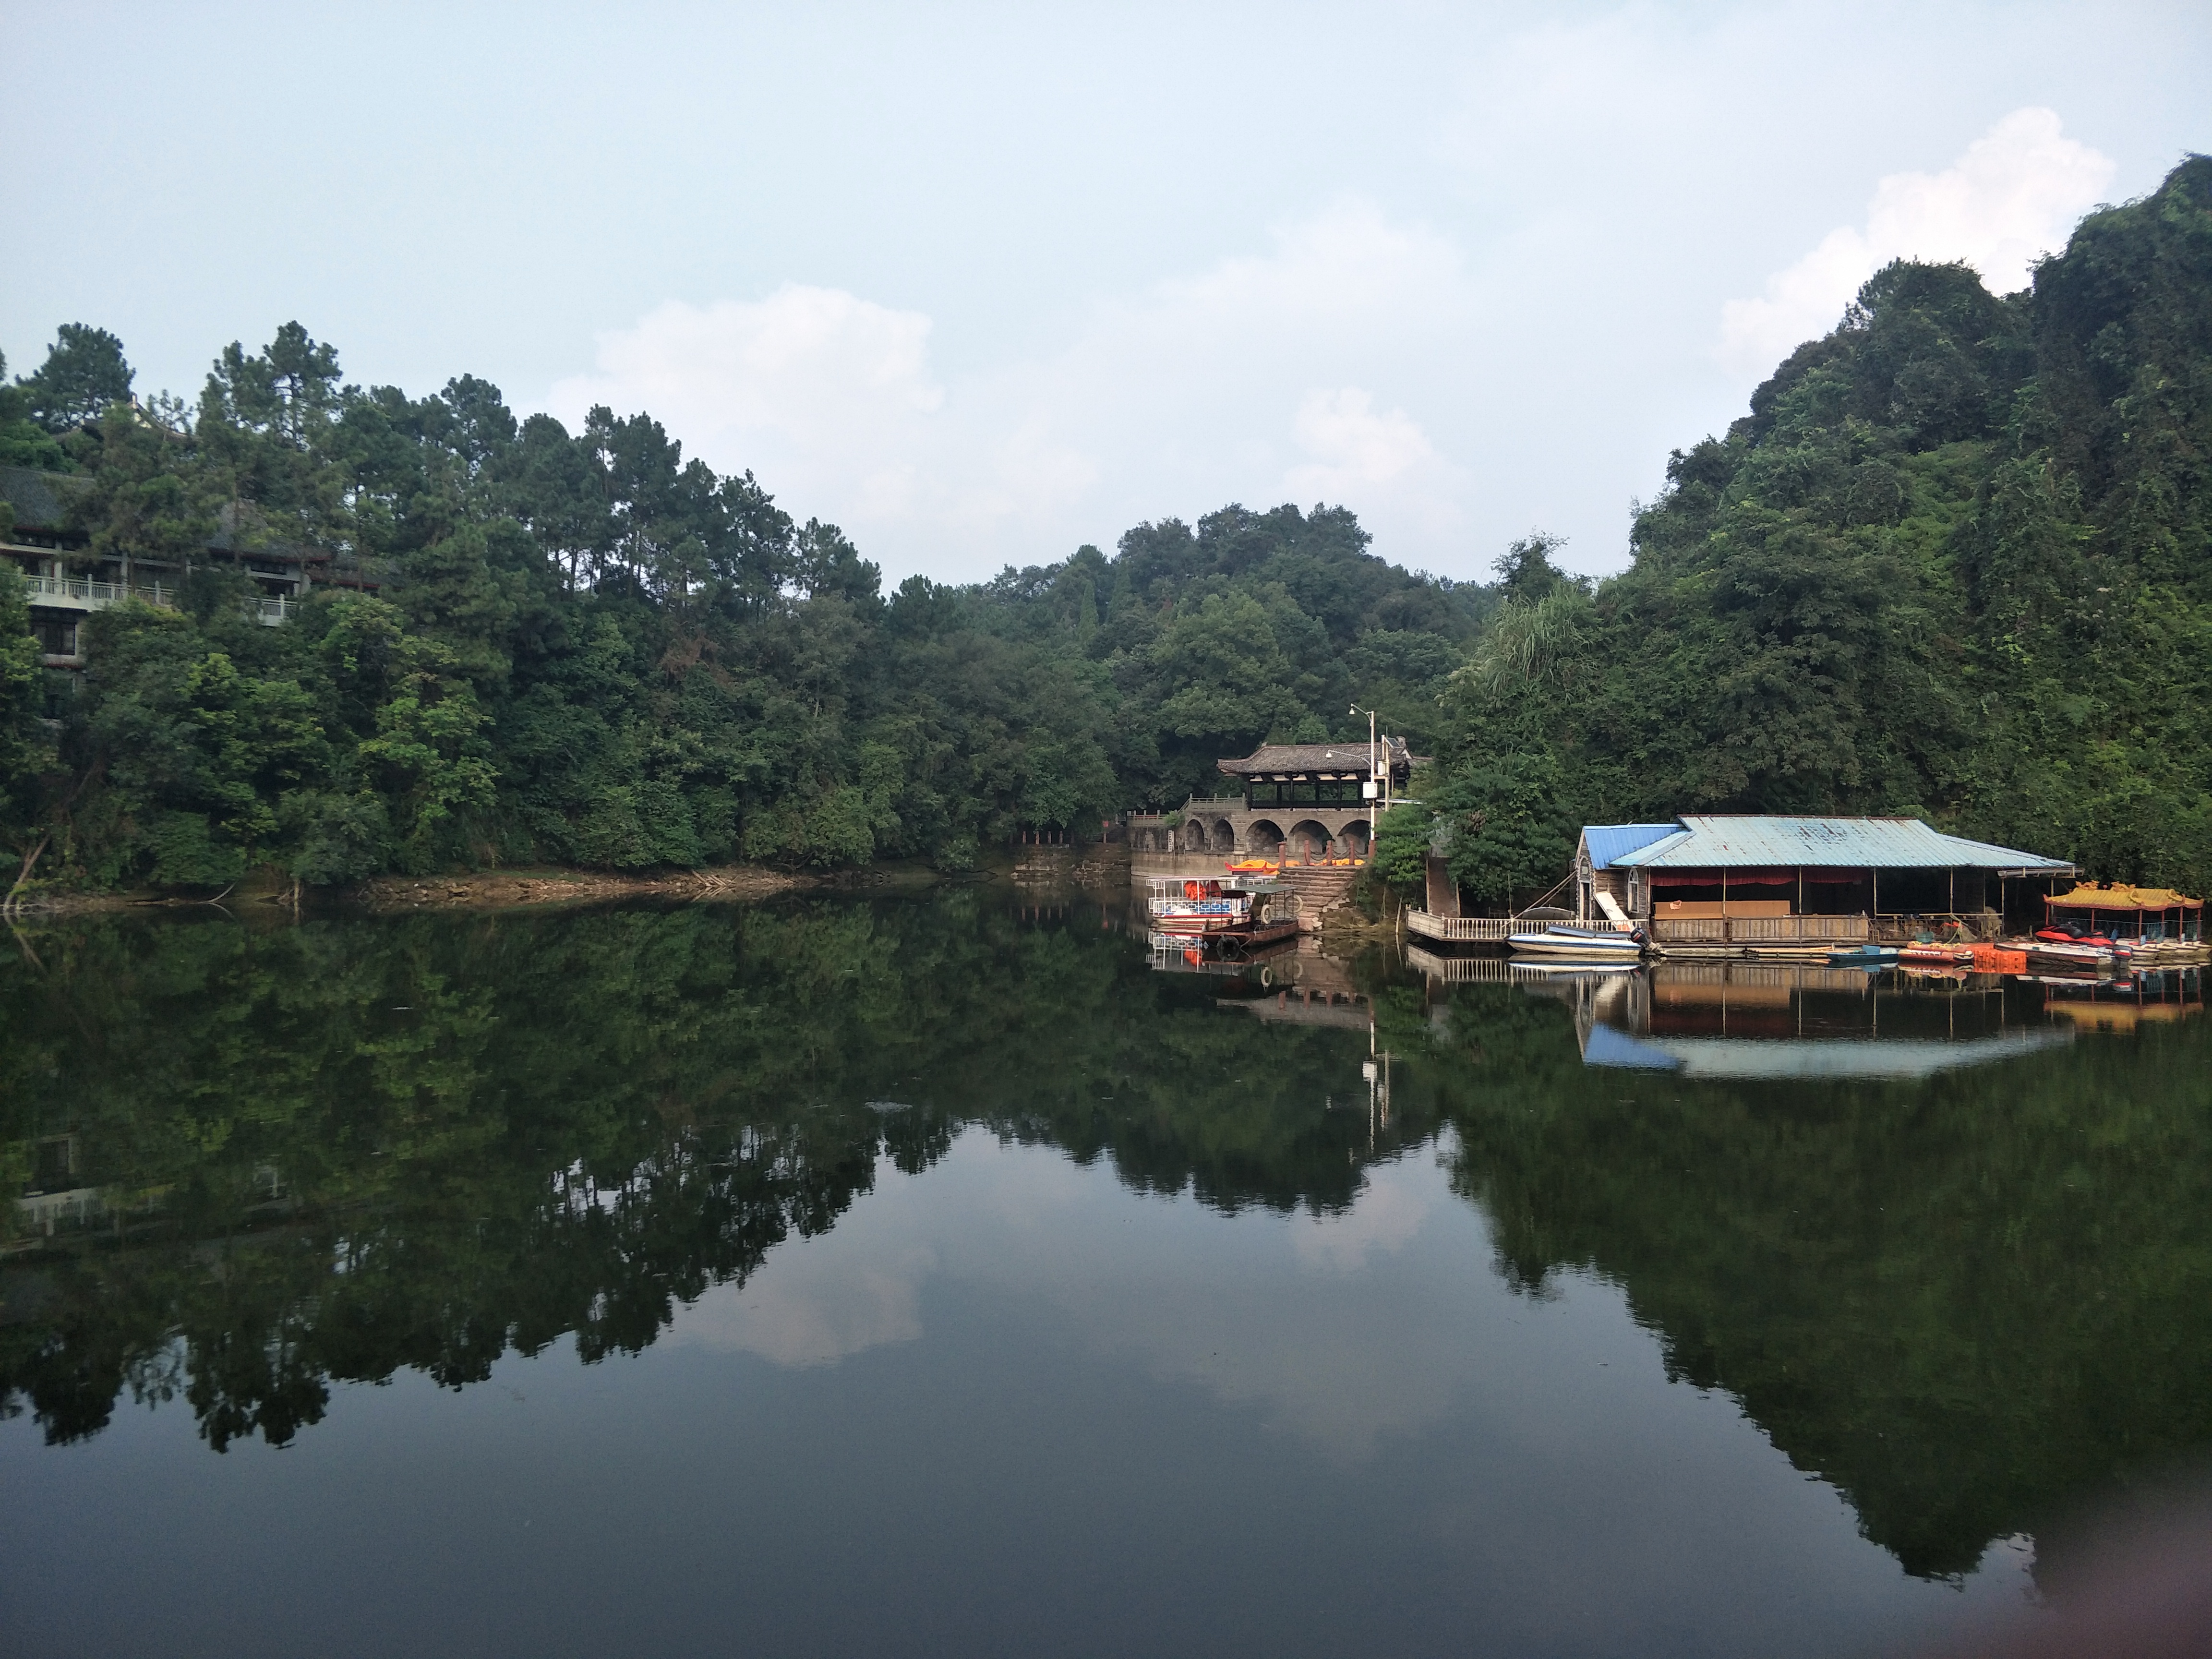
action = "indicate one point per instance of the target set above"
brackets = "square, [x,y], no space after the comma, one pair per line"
[1197,390]
[2012,197]
[1387,1213]
[814,1307]
[1351,445]
[816,384]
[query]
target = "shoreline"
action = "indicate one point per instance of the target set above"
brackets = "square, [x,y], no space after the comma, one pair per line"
[477,890]
[533,885]
[502,890]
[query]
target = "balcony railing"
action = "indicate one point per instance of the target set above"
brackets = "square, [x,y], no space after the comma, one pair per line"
[80,592]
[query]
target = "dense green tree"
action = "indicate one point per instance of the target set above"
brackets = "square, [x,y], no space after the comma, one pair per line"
[23,440]
[83,374]
[1954,557]
[1958,557]
[590,648]
[26,748]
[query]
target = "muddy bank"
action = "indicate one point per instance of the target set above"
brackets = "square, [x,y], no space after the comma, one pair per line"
[485,889]
[499,890]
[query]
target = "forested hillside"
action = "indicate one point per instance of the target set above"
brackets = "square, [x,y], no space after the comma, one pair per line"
[1957,560]
[583,647]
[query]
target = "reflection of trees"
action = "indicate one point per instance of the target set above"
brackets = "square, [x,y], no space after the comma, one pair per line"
[344,1148]
[1966,1303]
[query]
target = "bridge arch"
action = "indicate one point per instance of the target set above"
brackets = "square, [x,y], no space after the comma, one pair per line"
[1308,839]
[1263,836]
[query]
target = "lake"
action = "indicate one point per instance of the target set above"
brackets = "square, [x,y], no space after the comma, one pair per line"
[948,1274]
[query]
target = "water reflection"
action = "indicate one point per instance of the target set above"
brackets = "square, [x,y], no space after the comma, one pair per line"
[1917,1276]
[1947,1246]
[256,1163]
[1778,1021]
[1748,1020]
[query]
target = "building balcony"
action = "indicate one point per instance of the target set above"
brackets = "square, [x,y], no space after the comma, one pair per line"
[82,593]
[272,611]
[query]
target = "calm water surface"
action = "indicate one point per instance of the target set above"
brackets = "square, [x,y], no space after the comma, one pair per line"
[939,1276]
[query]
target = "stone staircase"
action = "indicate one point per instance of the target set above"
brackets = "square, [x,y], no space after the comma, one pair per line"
[1318,890]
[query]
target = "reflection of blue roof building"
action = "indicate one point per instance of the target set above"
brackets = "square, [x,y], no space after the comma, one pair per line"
[1904,1058]
[1767,1020]
[1710,880]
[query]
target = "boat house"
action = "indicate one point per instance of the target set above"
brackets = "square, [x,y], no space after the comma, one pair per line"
[1775,880]
[1306,799]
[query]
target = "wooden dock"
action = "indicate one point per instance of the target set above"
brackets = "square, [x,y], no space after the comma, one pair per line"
[1463,930]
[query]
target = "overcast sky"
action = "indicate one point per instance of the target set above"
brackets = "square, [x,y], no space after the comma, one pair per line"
[982,283]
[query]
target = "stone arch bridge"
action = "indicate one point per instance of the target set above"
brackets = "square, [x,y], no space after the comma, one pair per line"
[1308,800]
[1230,826]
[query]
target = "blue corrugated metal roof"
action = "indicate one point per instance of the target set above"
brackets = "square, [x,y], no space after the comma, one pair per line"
[1608,842]
[1712,843]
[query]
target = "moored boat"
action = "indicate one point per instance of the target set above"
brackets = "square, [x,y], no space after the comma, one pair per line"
[1589,943]
[1946,957]
[2080,959]
[1247,909]
[1864,955]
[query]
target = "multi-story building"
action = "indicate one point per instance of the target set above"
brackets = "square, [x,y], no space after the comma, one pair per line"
[68,580]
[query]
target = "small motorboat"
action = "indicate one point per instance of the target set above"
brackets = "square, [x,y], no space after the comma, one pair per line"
[1591,943]
[2082,957]
[2064,936]
[1864,955]
[1935,956]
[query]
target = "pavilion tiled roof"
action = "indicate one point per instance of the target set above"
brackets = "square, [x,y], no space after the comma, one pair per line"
[1270,757]
[40,499]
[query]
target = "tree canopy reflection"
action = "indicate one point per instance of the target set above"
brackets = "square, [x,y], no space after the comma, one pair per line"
[1969,1302]
[331,1151]
[343,1148]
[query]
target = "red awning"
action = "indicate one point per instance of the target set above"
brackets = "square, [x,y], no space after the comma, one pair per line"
[1748,877]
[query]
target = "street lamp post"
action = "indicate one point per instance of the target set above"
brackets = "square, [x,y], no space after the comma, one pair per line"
[1377,787]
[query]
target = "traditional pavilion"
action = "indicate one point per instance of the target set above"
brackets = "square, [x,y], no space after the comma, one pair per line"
[2129,913]
[1717,880]
[1311,799]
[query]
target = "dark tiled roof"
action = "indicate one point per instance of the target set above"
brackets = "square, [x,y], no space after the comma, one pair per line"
[1313,758]
[40,499]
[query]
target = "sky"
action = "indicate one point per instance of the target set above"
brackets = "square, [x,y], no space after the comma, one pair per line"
[982,283]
